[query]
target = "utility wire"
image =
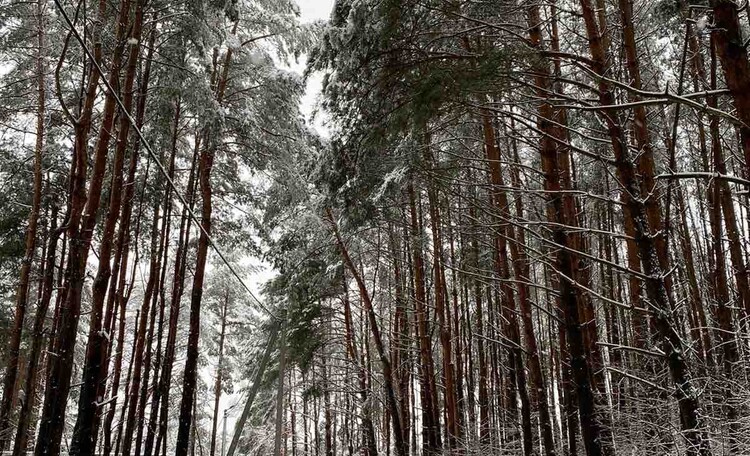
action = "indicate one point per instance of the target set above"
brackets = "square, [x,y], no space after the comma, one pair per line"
[274,329]
[154,157]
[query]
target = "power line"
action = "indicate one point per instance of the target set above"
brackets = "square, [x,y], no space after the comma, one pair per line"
[153,156]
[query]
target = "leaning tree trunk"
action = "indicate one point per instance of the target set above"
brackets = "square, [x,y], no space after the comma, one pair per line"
[392,401]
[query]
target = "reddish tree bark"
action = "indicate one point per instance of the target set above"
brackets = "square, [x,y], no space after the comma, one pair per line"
[22,291]
[376,334]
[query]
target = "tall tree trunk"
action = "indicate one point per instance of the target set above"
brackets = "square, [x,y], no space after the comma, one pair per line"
[443,316]
[392,401]
[140,341]
[481,354]
[370,445]
[178,277]
[116,295]
[22,292]
[517,379]
[95,367]
[219,373]
[523,278]
[726,331]
[161,395]
[84,208]
[430,414]
[655,282]
[279,427]
[33,367]
[204,178]
[148,363]
[191,362]
[400,341]
[329,417]
[561,212]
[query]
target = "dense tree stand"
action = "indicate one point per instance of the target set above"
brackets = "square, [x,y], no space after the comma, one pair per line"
[413,227]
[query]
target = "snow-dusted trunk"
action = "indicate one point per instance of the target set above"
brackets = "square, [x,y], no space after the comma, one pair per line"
[191,362]
[664,317]
[84,209]
[428,390]
[219,368]
[391,398]
[279,425]
[22,292]
[96,366]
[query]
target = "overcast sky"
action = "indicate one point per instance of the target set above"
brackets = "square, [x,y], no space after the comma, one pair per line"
[313,10]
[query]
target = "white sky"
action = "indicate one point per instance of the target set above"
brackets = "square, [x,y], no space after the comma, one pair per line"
[313,10]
